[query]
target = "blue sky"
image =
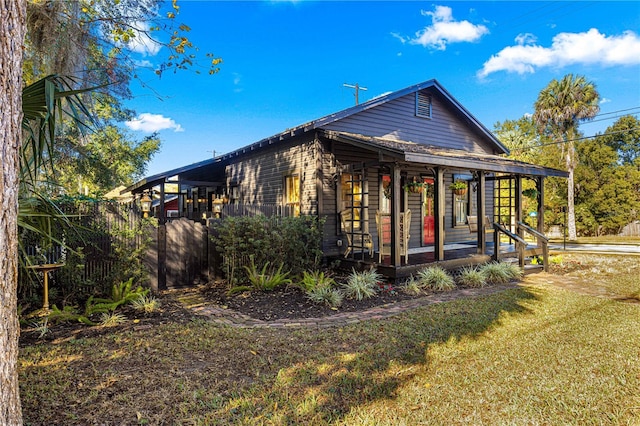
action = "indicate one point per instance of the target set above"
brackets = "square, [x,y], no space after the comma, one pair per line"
[285,63]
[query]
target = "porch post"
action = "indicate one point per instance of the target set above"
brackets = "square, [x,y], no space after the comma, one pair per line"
[162,243]
[395,216]
[540,187]
[518,203]
[439,216]
[482,239]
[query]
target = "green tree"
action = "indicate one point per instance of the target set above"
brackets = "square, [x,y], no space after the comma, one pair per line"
[607,180]
[560,107]
[624,137]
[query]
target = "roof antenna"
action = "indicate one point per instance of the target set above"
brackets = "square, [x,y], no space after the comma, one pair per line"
[357,87]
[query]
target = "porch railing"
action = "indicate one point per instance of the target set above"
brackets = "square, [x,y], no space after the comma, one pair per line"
[542,244]
[520,243]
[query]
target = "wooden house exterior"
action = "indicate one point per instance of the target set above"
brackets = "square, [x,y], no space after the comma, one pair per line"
[356,164]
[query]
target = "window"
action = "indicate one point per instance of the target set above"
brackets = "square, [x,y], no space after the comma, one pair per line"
[292,193]
[460,209]
[423,105]
[351,195]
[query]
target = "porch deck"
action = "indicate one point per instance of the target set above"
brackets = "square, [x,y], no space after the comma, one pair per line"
[456,256]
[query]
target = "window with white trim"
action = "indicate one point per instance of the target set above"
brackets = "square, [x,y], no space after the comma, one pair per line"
[423,105]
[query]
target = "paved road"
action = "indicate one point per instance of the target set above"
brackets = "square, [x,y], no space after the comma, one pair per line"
[598,248]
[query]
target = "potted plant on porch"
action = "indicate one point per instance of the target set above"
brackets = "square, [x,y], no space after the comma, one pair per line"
[531,193]
[459,187]
[415,186]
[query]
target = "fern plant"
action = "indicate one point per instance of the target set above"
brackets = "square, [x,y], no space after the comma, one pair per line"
[361,285]
[435,278]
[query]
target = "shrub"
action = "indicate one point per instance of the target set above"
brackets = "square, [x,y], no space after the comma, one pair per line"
[361,285]
[472,276]
[435,278]
[293,241]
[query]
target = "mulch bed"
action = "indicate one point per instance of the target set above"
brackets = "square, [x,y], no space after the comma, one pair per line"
[290,302]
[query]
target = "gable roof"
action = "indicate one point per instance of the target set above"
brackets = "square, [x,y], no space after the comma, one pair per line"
[197,171]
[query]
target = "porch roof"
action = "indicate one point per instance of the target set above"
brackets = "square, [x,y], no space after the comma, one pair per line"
[412,152]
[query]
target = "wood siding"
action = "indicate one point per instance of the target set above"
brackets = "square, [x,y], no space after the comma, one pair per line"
[397,120]
[260,176]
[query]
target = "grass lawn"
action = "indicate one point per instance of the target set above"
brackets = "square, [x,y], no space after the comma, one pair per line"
[532,355]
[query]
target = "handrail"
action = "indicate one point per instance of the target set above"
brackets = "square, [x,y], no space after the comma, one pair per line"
[508,233]
[533,232]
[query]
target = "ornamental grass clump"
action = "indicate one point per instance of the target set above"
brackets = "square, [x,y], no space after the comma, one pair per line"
[320,288]
[361,285]
[327,295]
[146,304]
[472,276]
[436,278]
[501,272]
[412,286]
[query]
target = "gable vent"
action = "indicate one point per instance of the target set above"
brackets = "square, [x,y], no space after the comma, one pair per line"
[423,105]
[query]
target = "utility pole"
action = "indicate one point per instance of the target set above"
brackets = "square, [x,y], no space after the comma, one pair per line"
[357,87]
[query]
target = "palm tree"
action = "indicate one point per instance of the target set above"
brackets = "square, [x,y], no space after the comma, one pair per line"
[558,110]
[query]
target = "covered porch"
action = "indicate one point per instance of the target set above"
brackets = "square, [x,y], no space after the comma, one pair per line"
[386,223]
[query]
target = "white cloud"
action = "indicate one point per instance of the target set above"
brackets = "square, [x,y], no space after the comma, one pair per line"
[589,47]
[604,101]
[147,122]
[444,30]
[142,43]
[143,63]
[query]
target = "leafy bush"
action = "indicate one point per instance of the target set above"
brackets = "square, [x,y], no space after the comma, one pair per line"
[472,276]
[294,242]
[435,278]
[361,285]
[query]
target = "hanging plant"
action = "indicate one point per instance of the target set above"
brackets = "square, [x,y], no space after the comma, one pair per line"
[531,193]
[414,187]
[429,191]
[386,188]
[459,187]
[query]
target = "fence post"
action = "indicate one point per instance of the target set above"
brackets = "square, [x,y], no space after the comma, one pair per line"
[162,256]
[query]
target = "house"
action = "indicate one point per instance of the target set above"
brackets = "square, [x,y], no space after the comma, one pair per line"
[379,172]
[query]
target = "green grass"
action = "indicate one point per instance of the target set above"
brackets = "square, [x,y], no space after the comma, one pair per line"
[531,355]
[605,239]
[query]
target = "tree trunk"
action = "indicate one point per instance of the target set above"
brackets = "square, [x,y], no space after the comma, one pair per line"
[12,28]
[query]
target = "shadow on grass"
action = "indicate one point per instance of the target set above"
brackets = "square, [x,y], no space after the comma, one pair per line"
[199,373]
[370,361]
